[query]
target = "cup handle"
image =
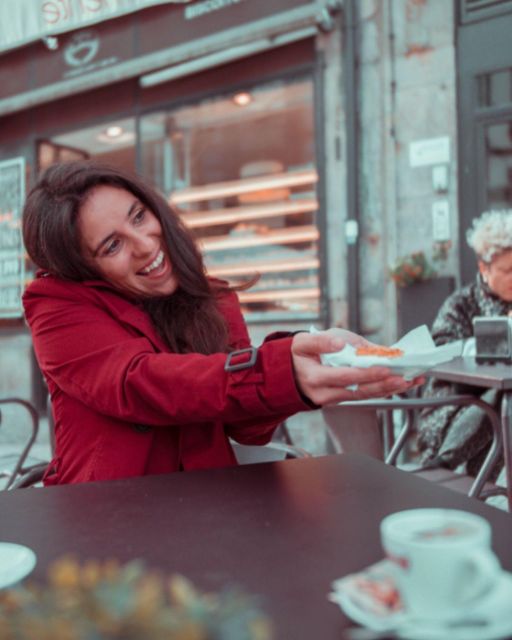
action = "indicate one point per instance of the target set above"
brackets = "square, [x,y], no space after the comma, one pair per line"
[486,568]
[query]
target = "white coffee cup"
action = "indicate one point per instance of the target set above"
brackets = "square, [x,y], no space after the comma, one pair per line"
[442,560]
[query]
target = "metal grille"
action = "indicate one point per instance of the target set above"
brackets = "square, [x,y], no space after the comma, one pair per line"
[473,10]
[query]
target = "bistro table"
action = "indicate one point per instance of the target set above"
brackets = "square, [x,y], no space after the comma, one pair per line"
[465,370]
[282,530]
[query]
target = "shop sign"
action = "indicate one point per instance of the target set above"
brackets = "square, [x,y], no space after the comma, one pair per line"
[12,260]
[25,21]
[81,49]
[166,35]
[423,153]
[199,9]
[80,54]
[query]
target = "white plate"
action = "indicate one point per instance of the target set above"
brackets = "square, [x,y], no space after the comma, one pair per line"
[16,562]
[492,610]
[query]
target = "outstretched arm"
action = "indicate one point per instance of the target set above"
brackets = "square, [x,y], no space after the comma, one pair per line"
[328,385]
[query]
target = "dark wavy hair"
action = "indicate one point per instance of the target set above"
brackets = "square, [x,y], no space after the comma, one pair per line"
[189,320]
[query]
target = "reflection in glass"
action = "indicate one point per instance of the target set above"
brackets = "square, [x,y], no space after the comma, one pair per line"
[244,177]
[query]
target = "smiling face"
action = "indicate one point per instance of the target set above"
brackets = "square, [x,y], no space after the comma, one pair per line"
[498,274]
[123,240]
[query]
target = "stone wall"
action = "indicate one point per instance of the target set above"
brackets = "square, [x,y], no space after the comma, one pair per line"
[407,93]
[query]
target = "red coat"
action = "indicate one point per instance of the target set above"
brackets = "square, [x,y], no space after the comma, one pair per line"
[124,405]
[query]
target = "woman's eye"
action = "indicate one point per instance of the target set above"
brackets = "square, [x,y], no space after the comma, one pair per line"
[111,247]
[139,216]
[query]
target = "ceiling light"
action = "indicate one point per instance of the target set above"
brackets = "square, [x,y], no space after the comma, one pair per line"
[114,131]
[115,135]
[242,99]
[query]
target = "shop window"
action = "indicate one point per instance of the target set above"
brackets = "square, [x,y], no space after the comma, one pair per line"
[48,153]
[242,171]
[498,145]
[12,255]
[110,142]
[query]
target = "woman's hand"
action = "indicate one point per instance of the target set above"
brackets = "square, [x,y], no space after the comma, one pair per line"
[327,385]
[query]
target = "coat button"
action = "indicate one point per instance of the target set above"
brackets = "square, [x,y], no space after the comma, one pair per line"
[142,428]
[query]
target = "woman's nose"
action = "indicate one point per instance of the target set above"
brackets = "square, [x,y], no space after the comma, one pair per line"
[142,245]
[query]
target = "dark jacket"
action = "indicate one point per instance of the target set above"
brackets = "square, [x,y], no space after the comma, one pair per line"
[451,435]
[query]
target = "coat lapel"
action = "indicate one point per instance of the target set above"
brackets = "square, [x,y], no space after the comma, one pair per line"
[127,312]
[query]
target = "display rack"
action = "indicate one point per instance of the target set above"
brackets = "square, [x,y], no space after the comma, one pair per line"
[276,239]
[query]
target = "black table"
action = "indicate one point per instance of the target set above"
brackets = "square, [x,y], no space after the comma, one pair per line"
[282,530]
[465,370]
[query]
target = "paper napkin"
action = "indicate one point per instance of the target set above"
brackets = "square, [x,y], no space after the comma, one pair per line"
[420,354]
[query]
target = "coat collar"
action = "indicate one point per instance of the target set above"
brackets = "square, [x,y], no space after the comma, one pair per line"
[125,309]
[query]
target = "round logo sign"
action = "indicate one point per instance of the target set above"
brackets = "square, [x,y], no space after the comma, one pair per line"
[81,48]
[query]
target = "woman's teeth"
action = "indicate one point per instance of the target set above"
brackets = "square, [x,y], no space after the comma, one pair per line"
[154,265]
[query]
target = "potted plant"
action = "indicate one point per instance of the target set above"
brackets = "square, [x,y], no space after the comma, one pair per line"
[108,601]
[412,268]
[420,289]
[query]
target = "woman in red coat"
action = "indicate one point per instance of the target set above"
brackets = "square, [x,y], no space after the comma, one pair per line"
[147,360]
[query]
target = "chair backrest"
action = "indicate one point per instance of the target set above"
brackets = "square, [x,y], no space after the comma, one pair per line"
[352,429]
[30,478]
[12,473]
[478,487]
[271,452]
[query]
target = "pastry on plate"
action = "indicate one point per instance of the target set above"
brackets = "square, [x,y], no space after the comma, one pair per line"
[376,350]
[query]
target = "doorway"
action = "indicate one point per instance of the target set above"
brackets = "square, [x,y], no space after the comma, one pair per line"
[485,115]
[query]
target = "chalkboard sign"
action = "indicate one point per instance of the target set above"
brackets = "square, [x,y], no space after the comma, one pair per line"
[12,260]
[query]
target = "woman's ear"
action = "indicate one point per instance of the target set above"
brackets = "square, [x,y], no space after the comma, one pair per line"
[484,269]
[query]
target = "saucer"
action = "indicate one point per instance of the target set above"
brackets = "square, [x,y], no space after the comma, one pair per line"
[16,562]
[365,598]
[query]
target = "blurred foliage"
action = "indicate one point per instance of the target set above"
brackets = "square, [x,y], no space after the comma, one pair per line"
[412,268]
[109,601]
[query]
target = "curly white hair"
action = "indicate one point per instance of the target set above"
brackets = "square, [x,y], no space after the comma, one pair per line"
[491,233]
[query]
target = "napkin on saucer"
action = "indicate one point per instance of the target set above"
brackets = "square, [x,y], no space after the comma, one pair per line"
[370,598]
[420,354]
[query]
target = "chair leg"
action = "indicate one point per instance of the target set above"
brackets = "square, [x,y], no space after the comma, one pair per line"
[506,421]
[388,431]
[282,433]
[404,434]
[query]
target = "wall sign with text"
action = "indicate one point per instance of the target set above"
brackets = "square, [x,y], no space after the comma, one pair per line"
[12,252]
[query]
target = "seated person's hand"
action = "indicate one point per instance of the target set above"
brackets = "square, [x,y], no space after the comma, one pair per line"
[323,384]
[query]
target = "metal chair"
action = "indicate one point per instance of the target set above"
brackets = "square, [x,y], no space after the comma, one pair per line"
[245,454]
[278,449]
[19,467]
[479,487]
[271,452]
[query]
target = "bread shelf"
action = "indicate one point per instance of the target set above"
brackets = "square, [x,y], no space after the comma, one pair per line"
[279,266]
[279,295]
[261,239]
[230,188]
[234,215]
[306,233]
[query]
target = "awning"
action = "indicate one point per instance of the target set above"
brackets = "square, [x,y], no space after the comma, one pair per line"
[24,21]
[274,30]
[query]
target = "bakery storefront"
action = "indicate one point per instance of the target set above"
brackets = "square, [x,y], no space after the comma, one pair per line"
[233,108]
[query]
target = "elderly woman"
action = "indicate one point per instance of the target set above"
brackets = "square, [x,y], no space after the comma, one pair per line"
[450,436]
